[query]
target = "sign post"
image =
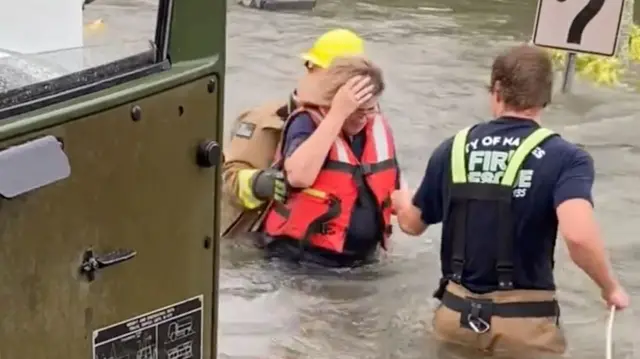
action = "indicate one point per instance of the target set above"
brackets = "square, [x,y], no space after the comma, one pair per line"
[578,26]
[569,71]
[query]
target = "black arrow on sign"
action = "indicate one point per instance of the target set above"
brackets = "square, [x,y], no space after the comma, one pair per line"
[582,19]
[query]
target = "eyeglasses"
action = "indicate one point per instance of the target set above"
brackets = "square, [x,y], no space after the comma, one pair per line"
[367,111]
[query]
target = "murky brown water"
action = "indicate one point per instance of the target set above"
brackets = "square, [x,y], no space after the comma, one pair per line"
[436,55]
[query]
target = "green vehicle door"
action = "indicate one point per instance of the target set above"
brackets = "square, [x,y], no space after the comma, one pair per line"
[108,197]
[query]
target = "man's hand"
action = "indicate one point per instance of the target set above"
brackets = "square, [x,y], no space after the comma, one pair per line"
[401,200]
[257,186]
[408,216]
[269,185]
[616,297]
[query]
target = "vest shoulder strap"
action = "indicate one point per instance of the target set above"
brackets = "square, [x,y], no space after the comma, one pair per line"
[458,155]
[526,147]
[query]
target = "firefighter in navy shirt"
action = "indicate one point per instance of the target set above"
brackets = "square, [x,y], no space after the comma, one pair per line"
[502,190]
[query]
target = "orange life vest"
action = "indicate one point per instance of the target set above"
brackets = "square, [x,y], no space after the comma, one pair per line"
[320,215]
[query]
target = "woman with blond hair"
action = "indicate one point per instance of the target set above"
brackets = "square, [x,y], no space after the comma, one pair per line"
[338,155]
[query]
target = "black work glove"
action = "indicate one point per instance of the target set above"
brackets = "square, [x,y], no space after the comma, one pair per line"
[269,184]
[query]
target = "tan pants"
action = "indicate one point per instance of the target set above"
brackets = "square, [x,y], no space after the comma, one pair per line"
[506,335]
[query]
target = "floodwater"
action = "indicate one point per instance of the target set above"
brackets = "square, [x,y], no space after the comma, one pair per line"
[436,56]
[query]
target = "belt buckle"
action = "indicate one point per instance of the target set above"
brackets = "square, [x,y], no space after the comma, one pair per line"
[474,317]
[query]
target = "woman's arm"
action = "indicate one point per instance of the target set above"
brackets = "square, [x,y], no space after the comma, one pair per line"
[305,161]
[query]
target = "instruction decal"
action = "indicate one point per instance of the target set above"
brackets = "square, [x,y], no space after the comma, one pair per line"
[173,332]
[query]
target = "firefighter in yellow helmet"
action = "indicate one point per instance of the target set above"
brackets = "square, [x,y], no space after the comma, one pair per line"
[248,181]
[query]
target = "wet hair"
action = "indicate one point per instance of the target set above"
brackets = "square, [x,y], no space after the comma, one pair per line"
[319,89]
[522,78]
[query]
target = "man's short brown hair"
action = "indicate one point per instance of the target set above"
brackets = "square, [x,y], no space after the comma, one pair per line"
[522,77]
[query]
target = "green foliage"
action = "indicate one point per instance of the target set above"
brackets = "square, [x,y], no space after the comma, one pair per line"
[600,69]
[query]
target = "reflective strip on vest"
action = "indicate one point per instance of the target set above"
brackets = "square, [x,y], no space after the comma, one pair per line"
[458,156]
[379,133]
[341,151]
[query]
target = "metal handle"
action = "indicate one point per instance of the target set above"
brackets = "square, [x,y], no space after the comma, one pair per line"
[91,263]
[208,154]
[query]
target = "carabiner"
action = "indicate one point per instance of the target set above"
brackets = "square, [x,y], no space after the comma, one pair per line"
[479,325]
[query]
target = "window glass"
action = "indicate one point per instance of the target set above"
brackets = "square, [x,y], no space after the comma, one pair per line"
[43,41]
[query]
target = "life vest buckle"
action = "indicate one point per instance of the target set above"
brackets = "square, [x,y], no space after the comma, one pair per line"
[366,169]
[324,228]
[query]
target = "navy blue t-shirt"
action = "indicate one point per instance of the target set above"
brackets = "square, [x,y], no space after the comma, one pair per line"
[365,228]
[554,172]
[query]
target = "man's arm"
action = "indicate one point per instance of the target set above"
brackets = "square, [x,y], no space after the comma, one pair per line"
[250,149]
[426,206]
[230,185]
[577,223]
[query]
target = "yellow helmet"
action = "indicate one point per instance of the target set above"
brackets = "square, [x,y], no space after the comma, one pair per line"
[332,44]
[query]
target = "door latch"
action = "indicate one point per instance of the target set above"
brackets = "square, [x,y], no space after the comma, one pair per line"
[91,263]
[208,154]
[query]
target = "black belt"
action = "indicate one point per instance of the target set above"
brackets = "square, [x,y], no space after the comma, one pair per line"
[543,309]
[476,314]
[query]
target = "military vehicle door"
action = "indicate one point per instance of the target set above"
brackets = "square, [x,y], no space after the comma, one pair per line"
[110,119]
